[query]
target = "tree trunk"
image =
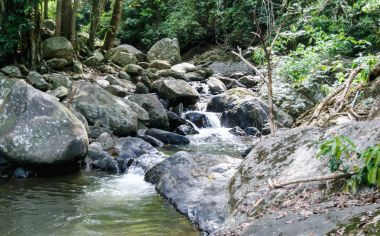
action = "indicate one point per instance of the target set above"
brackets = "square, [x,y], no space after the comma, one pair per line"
[66,15]
[114,25]
[35,39]
[46,9]
[95,17]
[272,124]
[58,19]
[73,23]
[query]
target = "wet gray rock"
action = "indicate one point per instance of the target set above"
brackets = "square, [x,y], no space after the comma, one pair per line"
[199,119]
[106,141]
[166,49]
[137,152]
[37,81]
[158,117]
[200,189]
[104,109]
[35,129]
[12,71]
[152,141]
[186,130]
[229,99]
[177,91]
[175,120]
[216,86]
[253,112]
[237,131]
[252,131]
[167,137]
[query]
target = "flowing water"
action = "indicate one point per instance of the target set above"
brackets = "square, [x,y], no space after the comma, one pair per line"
[97,203]
[88,203]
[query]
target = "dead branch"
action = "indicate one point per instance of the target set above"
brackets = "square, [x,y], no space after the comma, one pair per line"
[274,184]
[70,99]
[239,54]
[341,101]
[347,84]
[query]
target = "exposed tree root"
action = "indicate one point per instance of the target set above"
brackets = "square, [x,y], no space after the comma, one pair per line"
[337,103]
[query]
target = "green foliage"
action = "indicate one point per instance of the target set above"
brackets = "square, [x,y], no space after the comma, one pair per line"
[15,23]
[340,149]
[337,149]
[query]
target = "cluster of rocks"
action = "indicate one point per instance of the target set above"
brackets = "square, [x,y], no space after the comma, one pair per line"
[230,196]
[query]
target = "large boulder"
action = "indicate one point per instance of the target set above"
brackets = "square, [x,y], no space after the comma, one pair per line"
[200,189]
[102,108]
[123,58]
[125,48]
[158,117]
[286,156]
[177,91]
[253,113]
[229,99]
[35,129]
[58,47]
[167,137]
[166,49]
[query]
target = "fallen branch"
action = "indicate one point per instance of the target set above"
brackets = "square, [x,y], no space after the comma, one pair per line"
[274,184]
[343,97]
[70,99]
[239,54]
[341,101]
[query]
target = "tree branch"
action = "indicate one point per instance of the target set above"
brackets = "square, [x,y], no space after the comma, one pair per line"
[254,68]
[274,184]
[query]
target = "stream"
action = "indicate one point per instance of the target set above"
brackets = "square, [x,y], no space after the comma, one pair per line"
[91,202]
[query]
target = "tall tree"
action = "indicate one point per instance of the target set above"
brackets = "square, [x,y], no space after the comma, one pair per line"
[114,25]
[46,9]
[73,23]
[66,15]
[273,19]
[58,18]
[97,6]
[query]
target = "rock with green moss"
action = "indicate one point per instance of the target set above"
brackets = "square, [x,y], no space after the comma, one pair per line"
[58,47]
[166,49]
[35,129]
[104,109]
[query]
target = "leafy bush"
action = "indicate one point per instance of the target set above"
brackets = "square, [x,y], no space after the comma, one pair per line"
[339,149]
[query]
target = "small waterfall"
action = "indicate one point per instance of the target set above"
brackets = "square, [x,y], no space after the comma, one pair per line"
[214,119]
[116,165]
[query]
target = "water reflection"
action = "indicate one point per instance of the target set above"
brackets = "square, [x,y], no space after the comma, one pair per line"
[88,203]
